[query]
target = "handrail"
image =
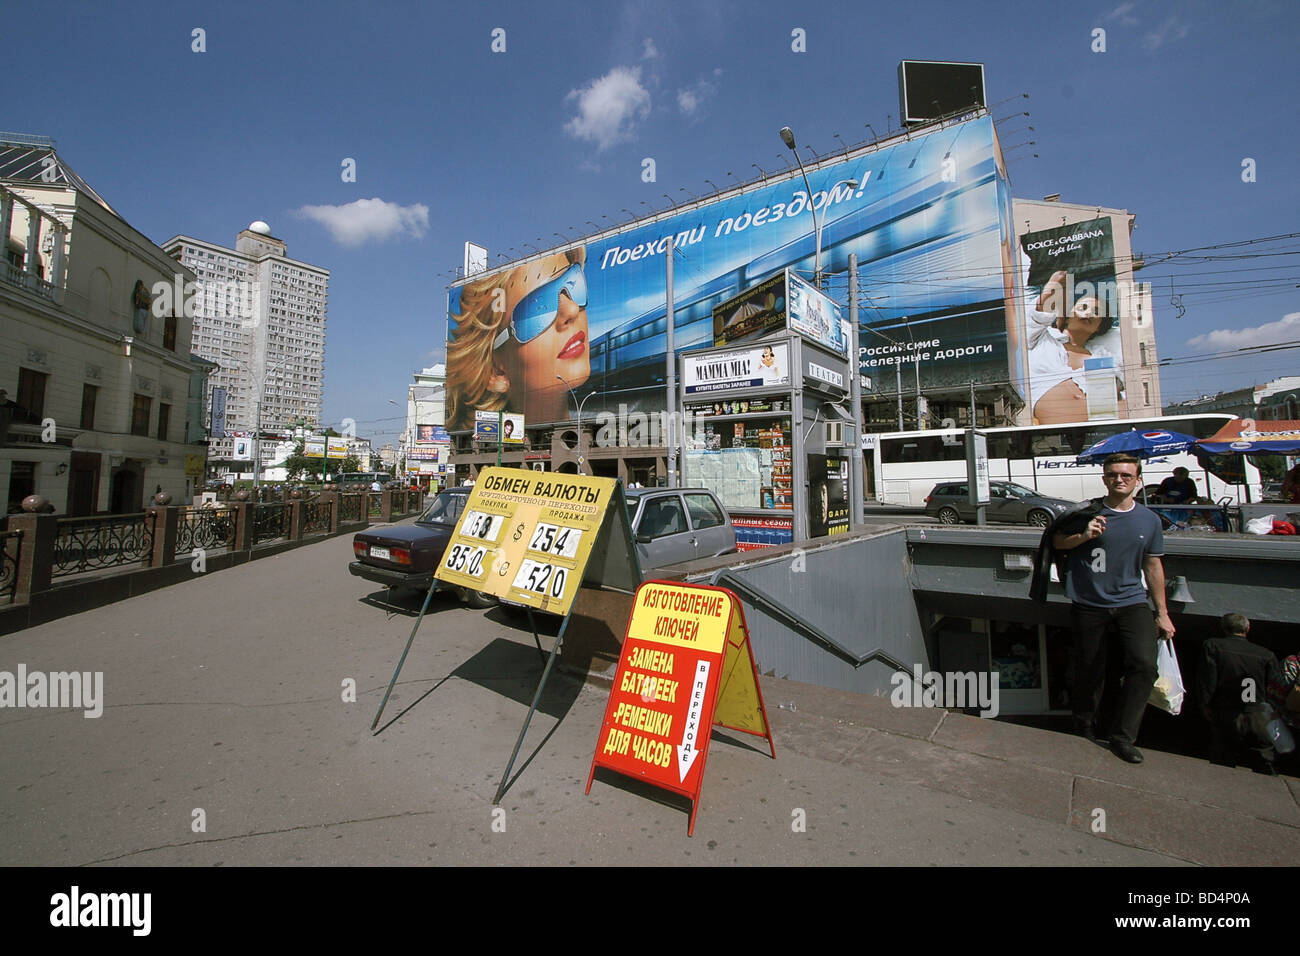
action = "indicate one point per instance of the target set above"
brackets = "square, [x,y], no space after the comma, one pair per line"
[810,631]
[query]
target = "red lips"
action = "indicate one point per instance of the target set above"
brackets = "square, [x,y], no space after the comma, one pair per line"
[574,347]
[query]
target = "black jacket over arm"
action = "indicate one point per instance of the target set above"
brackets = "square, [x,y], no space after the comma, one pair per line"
[1072,522]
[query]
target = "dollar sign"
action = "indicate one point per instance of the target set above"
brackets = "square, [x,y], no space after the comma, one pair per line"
[519,532]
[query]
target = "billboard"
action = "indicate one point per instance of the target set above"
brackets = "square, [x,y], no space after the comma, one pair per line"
[816,316]
[782,302]
[929,219]
[1072,328]
[218,429]
[756,367]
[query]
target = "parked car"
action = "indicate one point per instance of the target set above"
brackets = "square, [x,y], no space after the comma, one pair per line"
[672,525]
[949,501]
[407,555]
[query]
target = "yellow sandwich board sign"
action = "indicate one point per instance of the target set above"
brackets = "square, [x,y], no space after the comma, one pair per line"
[526,536]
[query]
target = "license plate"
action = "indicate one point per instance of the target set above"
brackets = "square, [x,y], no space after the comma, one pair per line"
[378,552]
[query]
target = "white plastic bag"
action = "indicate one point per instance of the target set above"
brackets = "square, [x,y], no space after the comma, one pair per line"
[1168,692]
[1260,525]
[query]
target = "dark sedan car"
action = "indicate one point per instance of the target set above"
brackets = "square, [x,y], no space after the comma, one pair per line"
[407,555]
[1008,501]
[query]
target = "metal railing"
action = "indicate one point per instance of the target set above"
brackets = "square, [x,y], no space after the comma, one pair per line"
[11,550]
[352,507]
[270,521]
[316,517]
[375,501]
[91,544]
[206,528]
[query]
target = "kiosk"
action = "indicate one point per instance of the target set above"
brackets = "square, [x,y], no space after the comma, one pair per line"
[768,423]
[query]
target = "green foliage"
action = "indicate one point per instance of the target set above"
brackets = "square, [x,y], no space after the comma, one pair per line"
[298,464]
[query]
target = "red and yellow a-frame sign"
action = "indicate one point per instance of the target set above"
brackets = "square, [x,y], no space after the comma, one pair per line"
[686,665]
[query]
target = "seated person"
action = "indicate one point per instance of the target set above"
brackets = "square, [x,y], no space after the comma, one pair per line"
[1178,489]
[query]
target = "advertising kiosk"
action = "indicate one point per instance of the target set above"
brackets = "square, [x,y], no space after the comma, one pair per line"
[768,426]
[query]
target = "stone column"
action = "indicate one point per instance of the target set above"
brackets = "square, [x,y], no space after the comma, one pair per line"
[36,560]
[166,519]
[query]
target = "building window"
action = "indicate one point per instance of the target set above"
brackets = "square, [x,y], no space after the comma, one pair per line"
[1146,391]
[140,415]
[169,333]
[1143,347]
[22,482]
[31,393]
[89,395]
[164,419]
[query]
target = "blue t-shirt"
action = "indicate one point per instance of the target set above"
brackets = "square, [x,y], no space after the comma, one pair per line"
[1107,571]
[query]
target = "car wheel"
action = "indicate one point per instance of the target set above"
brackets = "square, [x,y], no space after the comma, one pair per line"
[949,516]
[1039,519]
[480,599]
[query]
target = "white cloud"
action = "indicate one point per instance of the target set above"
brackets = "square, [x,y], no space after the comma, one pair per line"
[690,99]
[1171,29]
[367,219]
[1122,13]
[609,108]
[1285,329]
[651,52]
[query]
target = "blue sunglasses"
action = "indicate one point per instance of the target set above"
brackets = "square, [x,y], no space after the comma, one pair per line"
[537,310]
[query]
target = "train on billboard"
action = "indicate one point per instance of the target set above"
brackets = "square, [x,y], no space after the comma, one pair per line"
[1072,327]
[929,219]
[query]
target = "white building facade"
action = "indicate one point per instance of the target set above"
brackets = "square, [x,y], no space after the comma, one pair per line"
[96,373]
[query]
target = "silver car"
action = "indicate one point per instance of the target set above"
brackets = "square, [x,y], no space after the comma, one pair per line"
[673,525]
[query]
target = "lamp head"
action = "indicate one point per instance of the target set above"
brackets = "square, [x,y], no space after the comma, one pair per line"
[787,136]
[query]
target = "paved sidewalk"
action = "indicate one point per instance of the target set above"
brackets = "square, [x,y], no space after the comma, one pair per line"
[224,694]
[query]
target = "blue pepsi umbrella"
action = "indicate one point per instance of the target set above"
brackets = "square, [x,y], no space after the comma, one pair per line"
[1141,445]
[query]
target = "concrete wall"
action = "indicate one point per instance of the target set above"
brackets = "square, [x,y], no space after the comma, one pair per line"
[854,589]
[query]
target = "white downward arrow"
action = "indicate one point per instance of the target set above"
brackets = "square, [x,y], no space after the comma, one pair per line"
[686,750]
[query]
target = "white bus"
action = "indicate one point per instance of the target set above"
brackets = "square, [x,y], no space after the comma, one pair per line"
[903,467]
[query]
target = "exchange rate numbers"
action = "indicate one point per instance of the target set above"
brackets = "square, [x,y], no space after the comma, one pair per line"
[539,578]
[479,524]
[463,558]
[553,539]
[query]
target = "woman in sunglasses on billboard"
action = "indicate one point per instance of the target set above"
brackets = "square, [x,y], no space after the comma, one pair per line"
[513,334]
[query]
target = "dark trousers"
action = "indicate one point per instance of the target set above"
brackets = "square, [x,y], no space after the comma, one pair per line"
[1116,648]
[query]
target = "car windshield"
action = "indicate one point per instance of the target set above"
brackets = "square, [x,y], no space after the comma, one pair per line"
[446,509]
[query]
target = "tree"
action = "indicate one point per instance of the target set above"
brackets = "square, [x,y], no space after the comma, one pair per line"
[350,463]
[297,464]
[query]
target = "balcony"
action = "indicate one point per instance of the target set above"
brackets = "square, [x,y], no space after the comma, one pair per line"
[15,276]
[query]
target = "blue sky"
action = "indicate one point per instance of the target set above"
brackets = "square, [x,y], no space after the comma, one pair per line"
[453,141]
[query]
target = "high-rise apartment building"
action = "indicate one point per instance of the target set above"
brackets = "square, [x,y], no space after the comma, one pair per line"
[260,316]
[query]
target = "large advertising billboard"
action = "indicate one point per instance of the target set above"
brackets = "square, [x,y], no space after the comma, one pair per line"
[1072,327]
[929,219]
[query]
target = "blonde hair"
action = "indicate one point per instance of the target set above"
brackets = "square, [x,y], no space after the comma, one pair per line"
[474,376]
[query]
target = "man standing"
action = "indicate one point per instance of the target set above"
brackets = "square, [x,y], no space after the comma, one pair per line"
[1105,587]
[1233,671]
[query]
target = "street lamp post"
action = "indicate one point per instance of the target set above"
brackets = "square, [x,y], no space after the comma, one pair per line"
[787,136]
[257,438]
[581,458]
